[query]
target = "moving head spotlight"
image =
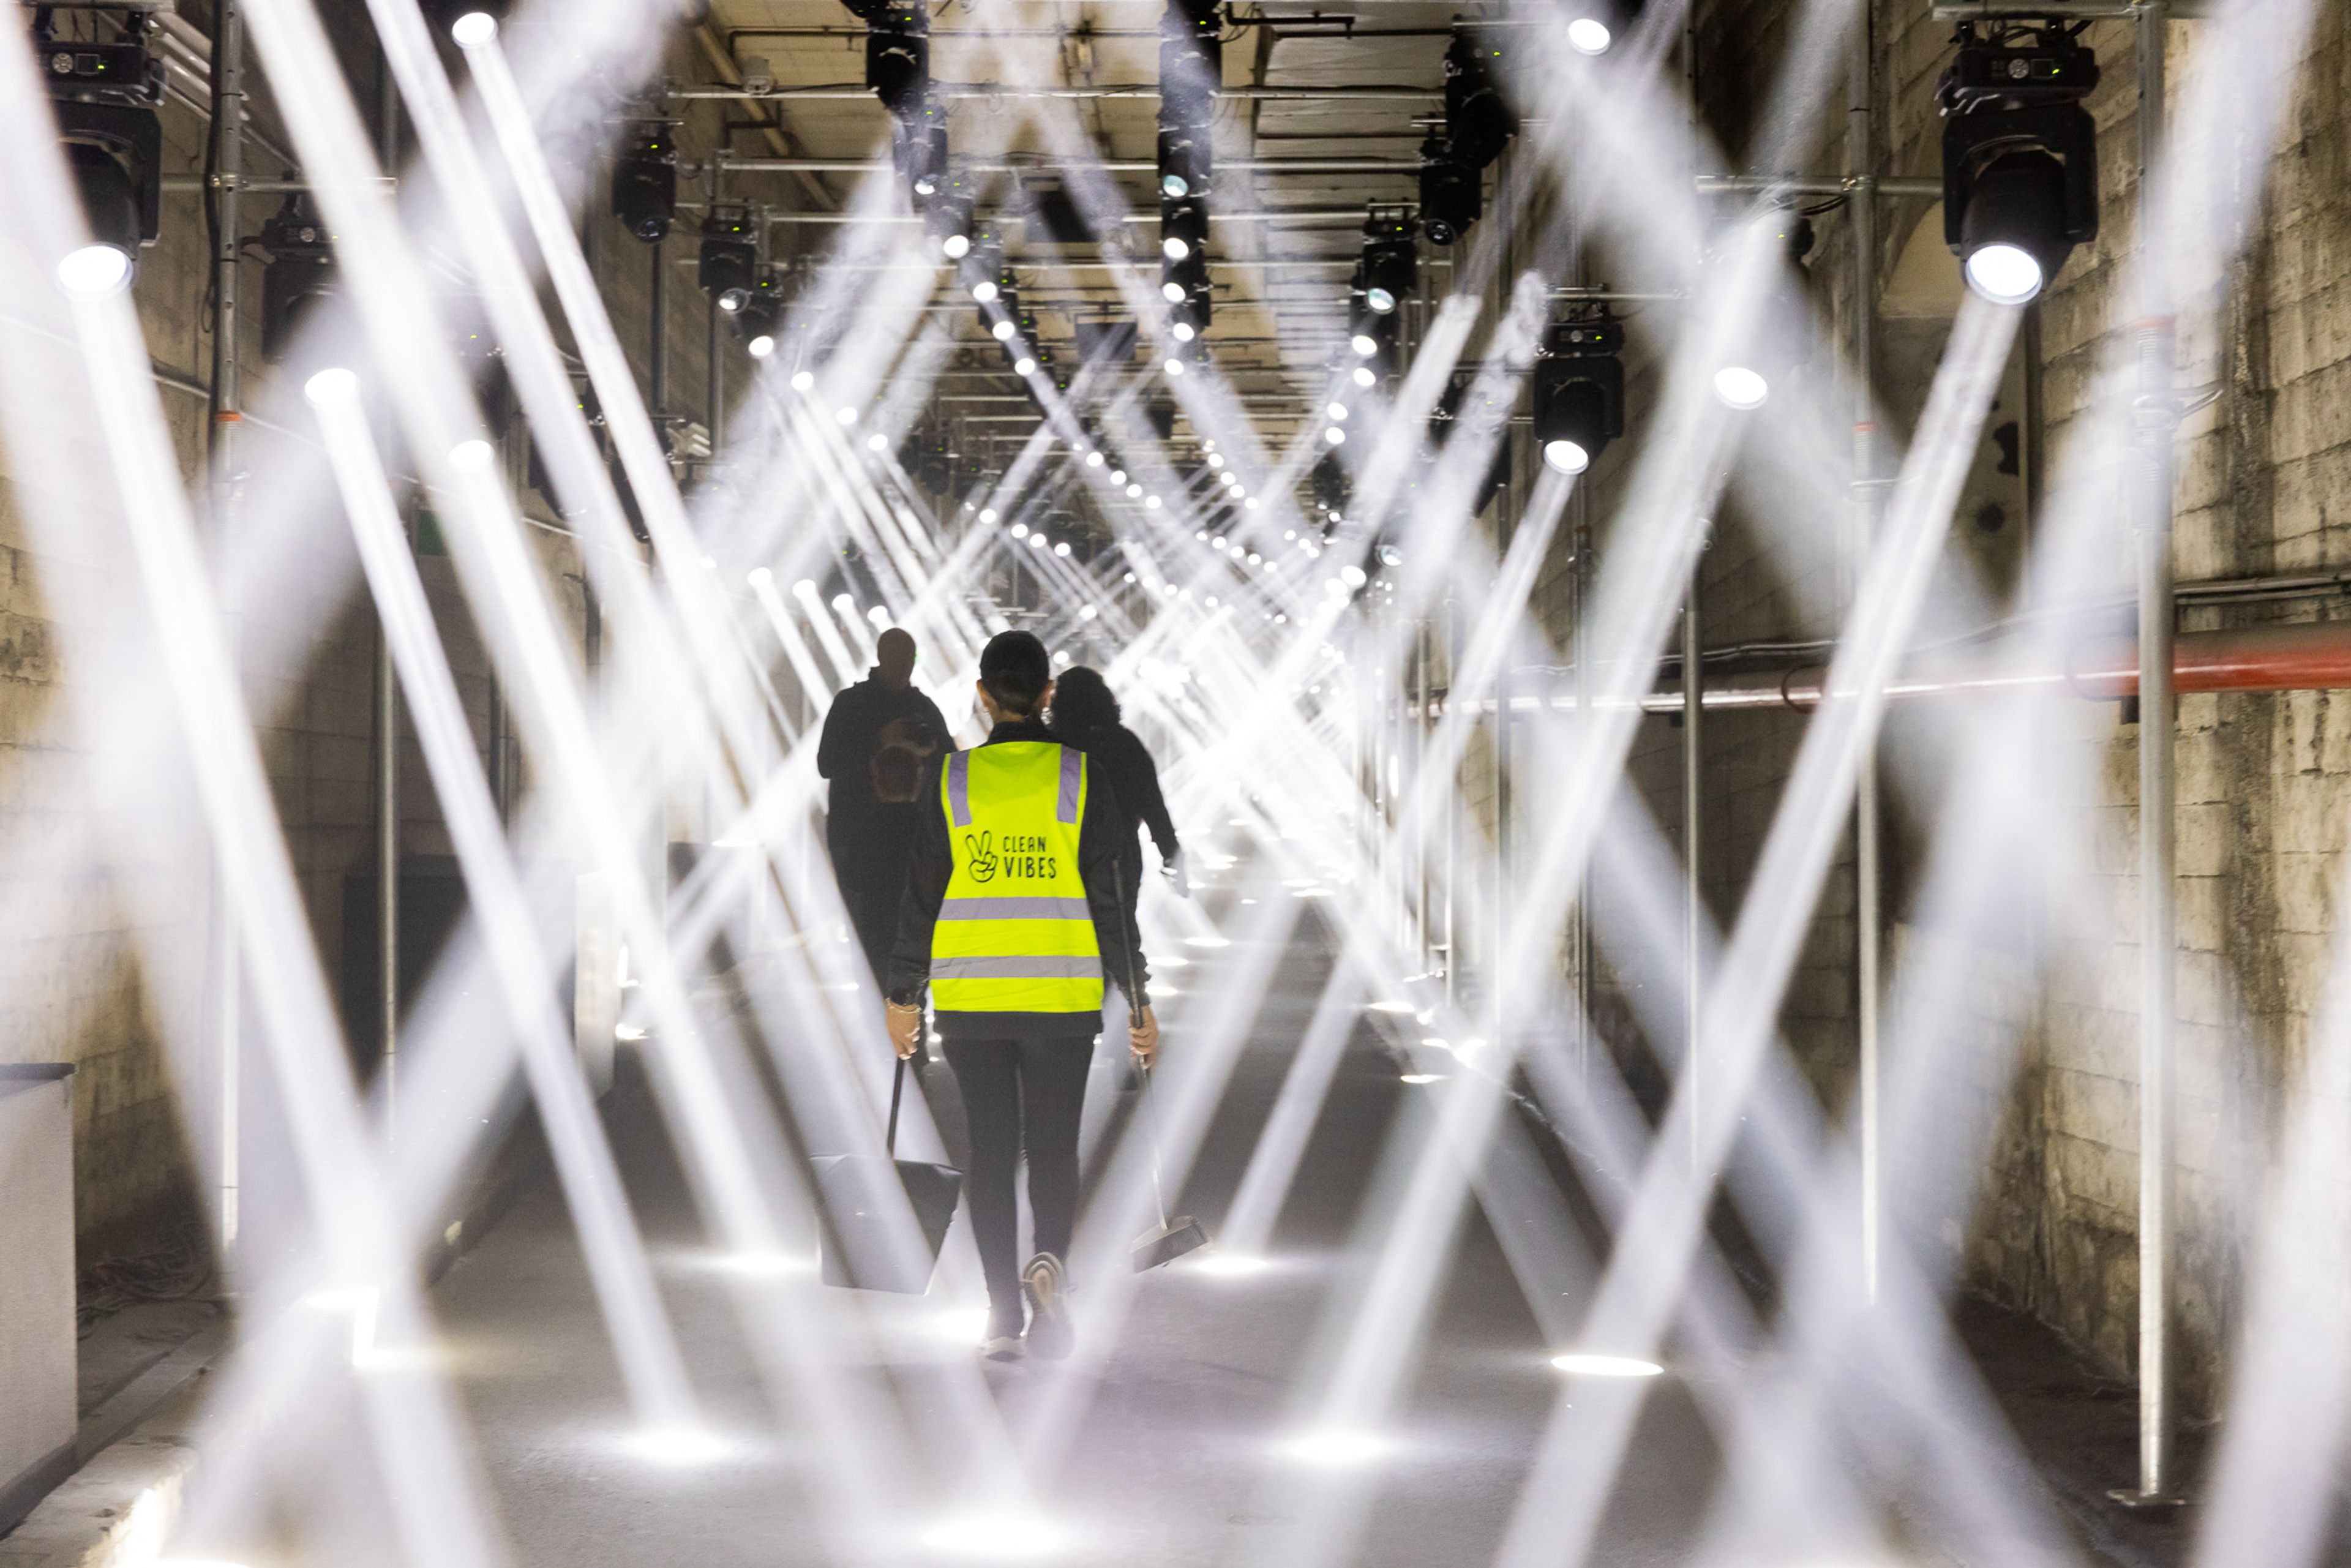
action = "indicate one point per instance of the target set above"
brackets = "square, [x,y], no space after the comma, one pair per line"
[1186,161]
[759,321]
[1452,196]
[1390,270]
[2020,157]
[730,257]
[898,57]
[644,185]
[1594,26]
[1478,121]
[1579,391]
[301,265]
[1191,62]
[104,95]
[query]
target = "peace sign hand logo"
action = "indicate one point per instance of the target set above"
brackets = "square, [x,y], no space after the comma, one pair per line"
[980,849]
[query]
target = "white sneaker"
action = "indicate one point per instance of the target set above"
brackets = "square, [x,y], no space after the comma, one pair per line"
[1003,1341]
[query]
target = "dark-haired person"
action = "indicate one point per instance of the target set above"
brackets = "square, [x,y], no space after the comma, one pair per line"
[1085,714]
[1011,916]
[879,738]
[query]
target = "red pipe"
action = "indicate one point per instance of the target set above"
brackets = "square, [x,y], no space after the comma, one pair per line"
[2304,657]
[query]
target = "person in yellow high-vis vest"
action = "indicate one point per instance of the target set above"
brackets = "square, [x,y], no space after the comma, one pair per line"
[1013,917]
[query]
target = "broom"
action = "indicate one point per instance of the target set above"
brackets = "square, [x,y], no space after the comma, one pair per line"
[1183,1234]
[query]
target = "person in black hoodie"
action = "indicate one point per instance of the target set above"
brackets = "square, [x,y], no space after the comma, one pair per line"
[1086,714]
[879,739]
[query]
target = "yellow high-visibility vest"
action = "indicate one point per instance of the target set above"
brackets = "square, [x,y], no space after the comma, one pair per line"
[1015,933]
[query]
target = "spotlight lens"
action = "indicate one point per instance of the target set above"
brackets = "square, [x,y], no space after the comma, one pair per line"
[846,415]
[1024,366]
[802,380]
[1093,459]
[1002,331]
[474,29]
[955,247]
[1172,292]
[2005,274]
[471,456]
[1338,411]
[1352,576]
[1379,299]
[329,387]
[1135,492]
[1183,332]
[762,346]
[1061,549]
[1741,388]
[1589,36]
[759,576]
[733,299]
[1364,345]
[1037,540]
[926,186]
[844,604]
[1567,456]
[1363,376]
[1118,475]
[1175,367]
[1215,460]
[1174,248]
[989,515]
[1020,530]
[1151,503]
[1335,435]
[1175,185]
[877,442]
[984,291]
[94,270]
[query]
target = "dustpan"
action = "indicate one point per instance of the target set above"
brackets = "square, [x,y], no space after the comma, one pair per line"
[1175,1237]
[860,1250]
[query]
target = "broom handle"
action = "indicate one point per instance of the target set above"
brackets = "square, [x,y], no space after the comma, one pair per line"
[897,1093]
[1150,1105]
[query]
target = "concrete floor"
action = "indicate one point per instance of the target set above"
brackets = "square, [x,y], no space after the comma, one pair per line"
[1176,1461]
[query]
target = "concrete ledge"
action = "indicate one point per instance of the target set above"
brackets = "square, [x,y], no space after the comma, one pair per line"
[120,1506]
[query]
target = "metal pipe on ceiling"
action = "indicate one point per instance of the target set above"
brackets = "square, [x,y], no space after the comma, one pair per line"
[1113,165]
[1283,92]
[1815,185]
[2060,10]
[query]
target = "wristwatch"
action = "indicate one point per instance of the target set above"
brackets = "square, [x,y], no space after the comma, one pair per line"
[904,998]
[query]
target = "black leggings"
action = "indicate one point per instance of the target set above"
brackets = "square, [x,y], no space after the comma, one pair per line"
[1017,1093]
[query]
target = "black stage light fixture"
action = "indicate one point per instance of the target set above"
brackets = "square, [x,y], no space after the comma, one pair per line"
[1330,486]
[301,267]
[981,272]
[1593,26]
[104,95]
[1391,263]
[898,57]
[1374,346]
[1452,196]
[919,146]
[1186,161]
[442,14]
[1191,62]
[644,185]
[947,220]
[2020,156]
[730,257]
[1183,228]
[1579,391]
[758,321]
[1478,121]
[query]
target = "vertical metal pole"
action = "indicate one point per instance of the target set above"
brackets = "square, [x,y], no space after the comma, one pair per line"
[657,345]
[2156,419]
[1693,889]
[387,762]
[715,370]
[1580,583]
[227,484]
[1861,158]
[1452,811]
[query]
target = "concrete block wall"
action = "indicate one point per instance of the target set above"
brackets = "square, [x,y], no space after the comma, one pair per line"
[2263,786]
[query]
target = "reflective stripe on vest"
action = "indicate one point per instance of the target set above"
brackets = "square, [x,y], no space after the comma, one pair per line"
[1015,933]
